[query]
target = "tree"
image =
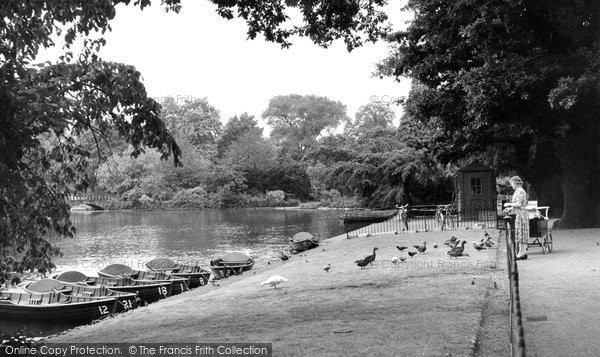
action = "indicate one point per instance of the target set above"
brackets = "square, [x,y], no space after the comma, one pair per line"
[234,129]
[298,120]
[369,117]
[43,107]
[522,74]
[197,120]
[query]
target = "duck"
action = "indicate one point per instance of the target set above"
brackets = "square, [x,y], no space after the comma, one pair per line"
[402,259]
[412,254]
[401,248]
[455,254]
[395,260]
[488,242]
[370,258]
[327,267]
[421,248]
[435,245]
[459,249]
[283,256]
[274,280]
[361,263]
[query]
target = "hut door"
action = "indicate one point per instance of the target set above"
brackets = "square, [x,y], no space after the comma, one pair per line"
[474,191]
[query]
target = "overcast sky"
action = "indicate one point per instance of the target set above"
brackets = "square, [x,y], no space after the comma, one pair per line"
[197,54]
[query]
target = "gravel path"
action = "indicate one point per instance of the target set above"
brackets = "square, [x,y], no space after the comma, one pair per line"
[560,296]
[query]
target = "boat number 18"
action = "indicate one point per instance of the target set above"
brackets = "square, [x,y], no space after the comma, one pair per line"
[103,309]
[162,290]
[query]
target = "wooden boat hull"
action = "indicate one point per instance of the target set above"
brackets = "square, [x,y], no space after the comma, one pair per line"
[229,269]
[301,246]
[177,285]
[128,300]
[148,291]
[65,309]
[368,216]
[195,274]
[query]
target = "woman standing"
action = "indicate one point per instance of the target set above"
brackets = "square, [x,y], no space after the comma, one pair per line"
[517,207]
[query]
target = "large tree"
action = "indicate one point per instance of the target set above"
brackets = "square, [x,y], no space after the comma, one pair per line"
[298,120]
[518,74]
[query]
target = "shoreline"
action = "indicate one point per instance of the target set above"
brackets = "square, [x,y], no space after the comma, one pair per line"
[430,304]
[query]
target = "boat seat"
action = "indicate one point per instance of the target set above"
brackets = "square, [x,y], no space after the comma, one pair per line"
[34,301]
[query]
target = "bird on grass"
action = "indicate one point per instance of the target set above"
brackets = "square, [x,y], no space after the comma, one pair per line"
[456,254]
[402,259]
[283,256]
[488,242]
[327,267]
[478,245]
[421,248]
[486,234]
[458,250]
[435,245]
[370,258]
[395,260]
[452,241]
[412,254]
[361,263]
[401,248]
[274,281]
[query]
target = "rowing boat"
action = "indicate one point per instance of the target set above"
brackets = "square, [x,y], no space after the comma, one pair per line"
[128,300]
[233,263]
[196,274]
[148,291]
[56,307]
[303,241]
[177,285]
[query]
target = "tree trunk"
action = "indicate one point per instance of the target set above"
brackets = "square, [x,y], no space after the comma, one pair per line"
[579,155]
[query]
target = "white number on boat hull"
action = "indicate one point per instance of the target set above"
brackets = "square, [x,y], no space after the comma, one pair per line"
[162,290]
[202,281]
[127,305]
[103,309]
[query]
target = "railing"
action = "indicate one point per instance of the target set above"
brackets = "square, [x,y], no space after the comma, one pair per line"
[89,197]
[429,218]
[517,333]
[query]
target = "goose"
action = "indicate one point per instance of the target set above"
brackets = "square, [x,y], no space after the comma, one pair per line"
[274,281]
[455,254]
[401,248]
[361,263]
[412,254]
[327,267]
[370,258]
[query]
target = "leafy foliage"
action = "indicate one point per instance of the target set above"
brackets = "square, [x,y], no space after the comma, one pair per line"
[514,77]
[298,120]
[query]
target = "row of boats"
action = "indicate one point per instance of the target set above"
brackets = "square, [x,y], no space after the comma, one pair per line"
[74,297]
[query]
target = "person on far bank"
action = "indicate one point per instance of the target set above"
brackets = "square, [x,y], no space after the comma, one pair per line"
[517,207]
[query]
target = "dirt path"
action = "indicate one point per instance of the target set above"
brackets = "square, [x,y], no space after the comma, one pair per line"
[560,296]
[429,305]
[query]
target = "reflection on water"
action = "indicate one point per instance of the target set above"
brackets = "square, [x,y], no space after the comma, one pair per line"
[135,237]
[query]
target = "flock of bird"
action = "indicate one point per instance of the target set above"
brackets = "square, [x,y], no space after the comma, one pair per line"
[457,249]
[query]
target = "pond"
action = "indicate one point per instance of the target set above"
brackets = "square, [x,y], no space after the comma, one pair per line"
[135,237]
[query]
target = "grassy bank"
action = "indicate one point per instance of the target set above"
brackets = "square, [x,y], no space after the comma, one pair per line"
[428,305]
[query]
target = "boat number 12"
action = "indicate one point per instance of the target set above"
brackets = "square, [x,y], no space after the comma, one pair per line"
[162,290]
[103,309]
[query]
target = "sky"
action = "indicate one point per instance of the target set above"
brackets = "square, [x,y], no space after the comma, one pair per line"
[196,54]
